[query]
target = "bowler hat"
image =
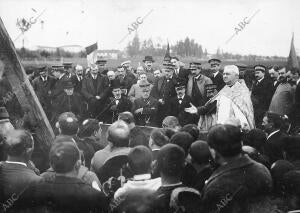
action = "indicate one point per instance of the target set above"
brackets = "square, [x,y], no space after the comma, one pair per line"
[148,58]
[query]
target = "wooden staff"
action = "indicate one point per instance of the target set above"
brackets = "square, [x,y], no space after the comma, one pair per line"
[15,74]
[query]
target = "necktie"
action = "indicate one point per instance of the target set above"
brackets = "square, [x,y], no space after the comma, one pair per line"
[180,100]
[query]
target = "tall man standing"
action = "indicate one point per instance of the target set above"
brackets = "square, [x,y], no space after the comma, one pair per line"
[216,77]
[148,61]
[42,85]
[179,71]
[196,85]
[95,89]
[164,89]
[261,94]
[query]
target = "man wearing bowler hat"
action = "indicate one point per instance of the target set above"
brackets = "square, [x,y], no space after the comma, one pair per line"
[115,105]
[95,89]
[148,62]
[217,77]
[69,101]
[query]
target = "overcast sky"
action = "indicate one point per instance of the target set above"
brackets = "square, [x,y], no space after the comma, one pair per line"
[210,22]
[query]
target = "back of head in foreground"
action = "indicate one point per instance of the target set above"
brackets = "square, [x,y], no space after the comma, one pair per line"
[139,160]
[238,177]
[170,163]
[20,145]
[225,140]
[118,134]
[65,158]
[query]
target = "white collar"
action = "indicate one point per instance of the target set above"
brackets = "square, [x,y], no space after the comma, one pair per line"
[215,74]
[79,77]
[272,133]
[60,77]
[16,162]
[260,80]
[142,177]
[181,97]
[297,82]
[44,78]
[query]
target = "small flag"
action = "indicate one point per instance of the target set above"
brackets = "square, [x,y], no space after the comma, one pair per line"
[90,50]
[292,59]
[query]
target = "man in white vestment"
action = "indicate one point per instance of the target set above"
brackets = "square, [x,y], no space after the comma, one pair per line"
[232,103]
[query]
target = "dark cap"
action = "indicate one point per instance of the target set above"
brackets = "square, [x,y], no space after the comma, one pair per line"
[68,84]
[67,65]
[168,66]
[63,156]
[58,68]
[101,61]
[179,85]
[148,58]
[260,67]
[194,65]
[214,61]
[144,84]
[3,113]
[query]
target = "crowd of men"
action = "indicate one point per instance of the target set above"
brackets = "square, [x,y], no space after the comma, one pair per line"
[218,145]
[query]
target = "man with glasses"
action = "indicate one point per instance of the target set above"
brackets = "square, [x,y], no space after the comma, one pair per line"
[216,77]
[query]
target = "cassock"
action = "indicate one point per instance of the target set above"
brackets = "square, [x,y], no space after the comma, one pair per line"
[231,103]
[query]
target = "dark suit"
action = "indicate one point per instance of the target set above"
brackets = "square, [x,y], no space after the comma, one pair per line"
[183,74]
[127,82]
[15,178]
[92,88]
[231,185]
[68,103]
[42,89]
[164,89]
[274,146]
[64,194]
[77,83]
[218,81]
[261,96]
[112,109]
[177,109]
[150,75]
[58,86]
[148,116]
